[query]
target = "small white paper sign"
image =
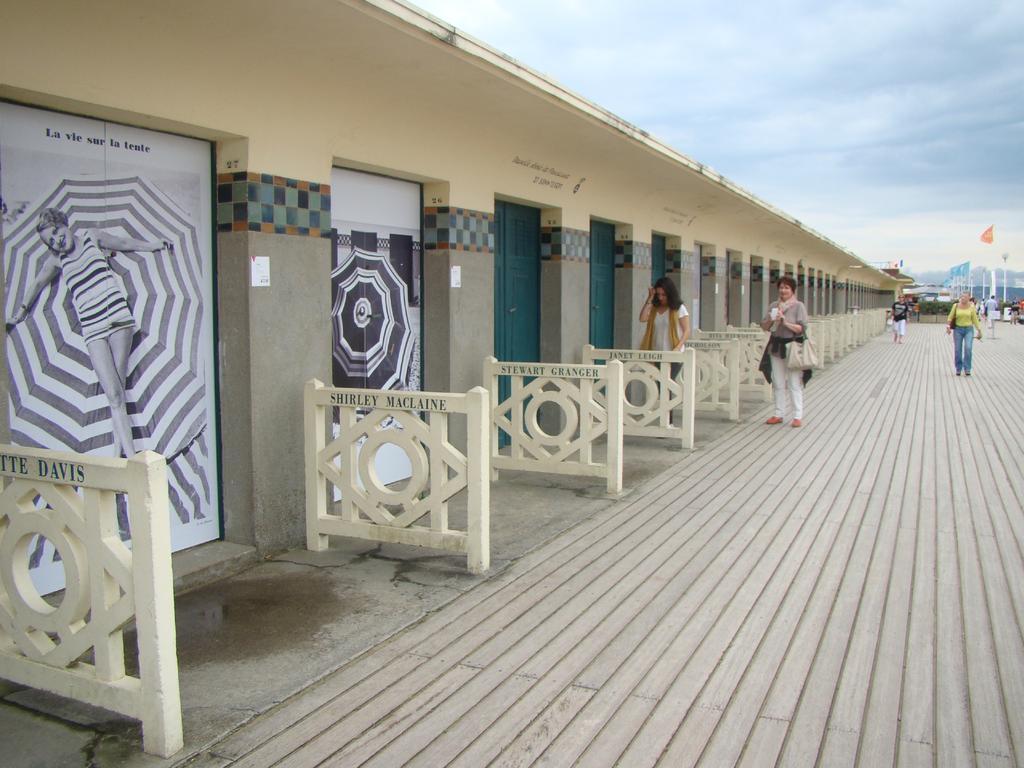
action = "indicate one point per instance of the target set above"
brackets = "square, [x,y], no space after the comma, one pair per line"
[260,272]
[456,277]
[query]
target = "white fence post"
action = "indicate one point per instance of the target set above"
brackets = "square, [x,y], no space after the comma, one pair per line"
[315,427]
[154,605]
[70,499]
[688,381]
[615,394]
[491,384]
[478,428]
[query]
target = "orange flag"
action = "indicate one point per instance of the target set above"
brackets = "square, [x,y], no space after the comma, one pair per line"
[986,236]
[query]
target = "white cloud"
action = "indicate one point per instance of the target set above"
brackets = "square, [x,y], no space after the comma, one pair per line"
[887,126]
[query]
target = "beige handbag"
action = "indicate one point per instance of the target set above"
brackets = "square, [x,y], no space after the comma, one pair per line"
[801,355]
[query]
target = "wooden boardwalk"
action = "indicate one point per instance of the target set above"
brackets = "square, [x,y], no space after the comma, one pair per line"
[850,593]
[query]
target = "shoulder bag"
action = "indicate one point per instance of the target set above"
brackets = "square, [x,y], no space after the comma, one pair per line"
[801,354]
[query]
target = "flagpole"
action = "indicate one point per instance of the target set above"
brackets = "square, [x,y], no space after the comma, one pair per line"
[1005,257]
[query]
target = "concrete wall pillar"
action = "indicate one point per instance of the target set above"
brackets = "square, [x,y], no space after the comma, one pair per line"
[463,238]
[758,289]
[564,288]
[739,289]
[712,289]
[775,271]
[681,266]
[632,279]
[261,369]
[262,373]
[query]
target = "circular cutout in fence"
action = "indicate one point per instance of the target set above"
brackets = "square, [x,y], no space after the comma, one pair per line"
[419,477]
[640,383]
[569,417]
[30,610]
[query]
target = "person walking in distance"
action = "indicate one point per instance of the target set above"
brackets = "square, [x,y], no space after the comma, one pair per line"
[900,315]
[962,321]
[992,314]
[787,320]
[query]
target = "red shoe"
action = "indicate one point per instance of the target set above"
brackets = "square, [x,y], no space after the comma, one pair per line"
[797,423]
[774,420]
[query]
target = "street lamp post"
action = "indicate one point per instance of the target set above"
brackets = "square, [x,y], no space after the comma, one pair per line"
[1005,257]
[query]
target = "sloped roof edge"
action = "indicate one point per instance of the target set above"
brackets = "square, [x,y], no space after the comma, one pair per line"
[469,45]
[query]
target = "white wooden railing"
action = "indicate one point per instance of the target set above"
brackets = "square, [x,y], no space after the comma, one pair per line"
[585,418]
[666,408]
[819,332]
[828,342]
[417,423]
[752,344]
[718,377]
[69,499]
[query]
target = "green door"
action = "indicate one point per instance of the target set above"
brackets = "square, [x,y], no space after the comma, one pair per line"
[657,258]
[602,284]
[516,282]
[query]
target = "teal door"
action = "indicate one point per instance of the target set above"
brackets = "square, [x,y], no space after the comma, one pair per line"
[516,282]
[602,284]
[657,258]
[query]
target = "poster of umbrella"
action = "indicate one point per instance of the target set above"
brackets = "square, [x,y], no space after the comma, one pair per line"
[56,400]
[373,340]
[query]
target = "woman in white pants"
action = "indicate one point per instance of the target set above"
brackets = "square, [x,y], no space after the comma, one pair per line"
[787,320]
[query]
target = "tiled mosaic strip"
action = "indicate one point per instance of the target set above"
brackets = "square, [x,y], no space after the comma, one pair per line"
[757,272]
[564,244]
[458,229]
[261,202]
[632,253]
[383,244]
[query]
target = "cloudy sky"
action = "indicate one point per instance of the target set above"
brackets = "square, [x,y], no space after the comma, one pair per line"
[894,128]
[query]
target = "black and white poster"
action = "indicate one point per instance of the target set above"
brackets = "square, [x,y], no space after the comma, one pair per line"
[108,304]
[375,290]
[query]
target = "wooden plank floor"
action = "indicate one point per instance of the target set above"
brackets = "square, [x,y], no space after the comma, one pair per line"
[850,593]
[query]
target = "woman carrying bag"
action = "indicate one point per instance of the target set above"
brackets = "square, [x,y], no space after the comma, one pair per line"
[787,321]
[962,321]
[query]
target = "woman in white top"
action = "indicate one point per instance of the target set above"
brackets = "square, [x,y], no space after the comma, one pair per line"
[668,322]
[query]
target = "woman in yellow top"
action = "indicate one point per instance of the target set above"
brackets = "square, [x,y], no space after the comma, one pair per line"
[962,321]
